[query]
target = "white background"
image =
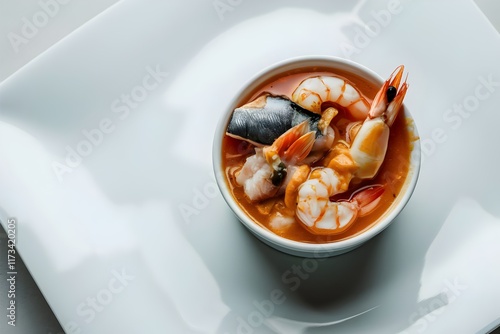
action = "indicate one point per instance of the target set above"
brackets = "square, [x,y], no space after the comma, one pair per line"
[70,16]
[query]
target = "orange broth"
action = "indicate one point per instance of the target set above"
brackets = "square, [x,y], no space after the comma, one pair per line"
[392,173]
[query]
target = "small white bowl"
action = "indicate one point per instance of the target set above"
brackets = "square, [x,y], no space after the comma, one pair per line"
[301,248]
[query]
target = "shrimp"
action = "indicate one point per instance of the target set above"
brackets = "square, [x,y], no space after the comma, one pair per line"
[266,173]
[314,91]
[322,216]
[369,145]
[361,160]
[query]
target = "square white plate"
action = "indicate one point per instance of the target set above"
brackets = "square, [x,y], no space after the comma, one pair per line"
[105,148]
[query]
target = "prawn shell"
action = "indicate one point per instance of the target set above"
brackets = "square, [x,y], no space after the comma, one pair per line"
[261,122]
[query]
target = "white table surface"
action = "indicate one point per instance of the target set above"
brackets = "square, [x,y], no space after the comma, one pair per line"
[34,314]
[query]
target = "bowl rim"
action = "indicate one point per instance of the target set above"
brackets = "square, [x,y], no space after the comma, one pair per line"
[319,249]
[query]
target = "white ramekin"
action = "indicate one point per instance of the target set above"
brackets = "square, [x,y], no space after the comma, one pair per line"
[301,248]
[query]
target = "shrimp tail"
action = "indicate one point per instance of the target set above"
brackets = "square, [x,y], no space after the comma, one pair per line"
[289,149]
[395,105]
[368,199]
[396,76]
[300,149]
[286,140]
[379,104]
[391,93]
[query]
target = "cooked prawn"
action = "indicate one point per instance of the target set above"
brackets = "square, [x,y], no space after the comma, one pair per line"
[370,142]
[266,173]
[322,216]
[360,160]
[313,92]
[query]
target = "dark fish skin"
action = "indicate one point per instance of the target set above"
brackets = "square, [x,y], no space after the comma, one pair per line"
[262,125]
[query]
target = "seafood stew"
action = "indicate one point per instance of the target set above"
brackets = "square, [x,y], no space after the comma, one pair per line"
[310,157]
